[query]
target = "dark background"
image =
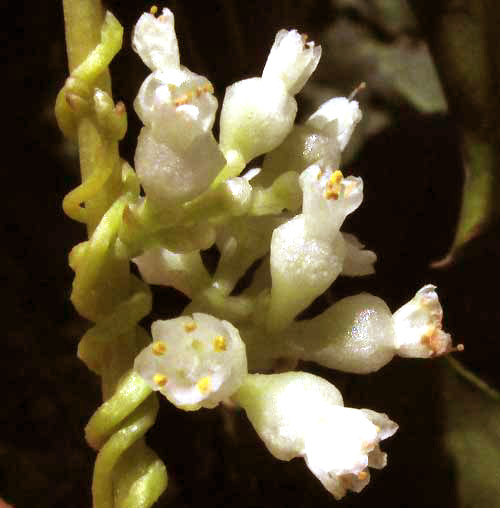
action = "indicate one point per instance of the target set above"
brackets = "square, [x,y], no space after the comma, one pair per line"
[413,176]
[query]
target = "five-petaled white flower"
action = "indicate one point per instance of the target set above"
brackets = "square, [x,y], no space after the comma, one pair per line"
[194,361]
[301,415]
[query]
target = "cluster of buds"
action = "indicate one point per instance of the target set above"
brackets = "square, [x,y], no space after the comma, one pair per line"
[287,215]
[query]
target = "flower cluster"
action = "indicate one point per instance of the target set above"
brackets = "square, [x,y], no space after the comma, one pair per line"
[286,215]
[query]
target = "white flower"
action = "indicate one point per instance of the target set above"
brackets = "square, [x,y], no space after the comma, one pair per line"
[177,157]
[418,326]
[359,334]
[301,415]
[328,199]
[258,113]
[292,60]
[308,252]
[194,361]
[338,117]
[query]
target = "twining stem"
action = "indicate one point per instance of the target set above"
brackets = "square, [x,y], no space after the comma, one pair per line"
[83,20]
[127,473]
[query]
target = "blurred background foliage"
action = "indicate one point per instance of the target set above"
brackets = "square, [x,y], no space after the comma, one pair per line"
[427,150]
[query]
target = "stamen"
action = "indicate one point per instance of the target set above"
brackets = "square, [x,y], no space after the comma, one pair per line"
[204,385]
[196,92]
[184,99]
[360,87]
[220,344]
[160,379]
[336,176]
[159,348]
[333,186]
[190,327]
[363,475]
[153,10]
[120,108]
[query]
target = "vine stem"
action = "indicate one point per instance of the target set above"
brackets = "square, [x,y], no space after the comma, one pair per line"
[127,473]
[83,20]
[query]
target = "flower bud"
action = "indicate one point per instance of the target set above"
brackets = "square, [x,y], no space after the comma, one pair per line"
[194,362]
[301,415]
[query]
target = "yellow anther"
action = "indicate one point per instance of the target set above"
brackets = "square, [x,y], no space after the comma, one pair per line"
[184,99]
[320,174]
[363,475]
[377,429]
[336,177]
[191,94]
[331,193]
[204,385]
[159,347]
[160,379]
[333,186]
[220,344]
[153,10]
[190,327]
[208,88]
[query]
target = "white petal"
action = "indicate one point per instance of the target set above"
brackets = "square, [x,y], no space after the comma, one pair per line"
[292,60]
[339,114]
[178,105]
[155,41]
[357,261]
[327,204]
